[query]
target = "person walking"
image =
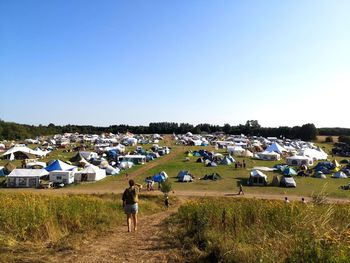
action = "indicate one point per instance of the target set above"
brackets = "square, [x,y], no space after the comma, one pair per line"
[166,201]
[130,203]
[240,190]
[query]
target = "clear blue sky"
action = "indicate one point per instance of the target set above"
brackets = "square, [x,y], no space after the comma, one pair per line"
[135,62]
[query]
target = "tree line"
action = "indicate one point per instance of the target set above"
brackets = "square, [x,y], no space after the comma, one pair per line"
[15,131]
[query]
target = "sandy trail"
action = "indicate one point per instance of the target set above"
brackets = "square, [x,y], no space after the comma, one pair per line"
[147,244]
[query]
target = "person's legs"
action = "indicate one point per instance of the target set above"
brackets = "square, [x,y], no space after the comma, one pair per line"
[128,221]
[134,218]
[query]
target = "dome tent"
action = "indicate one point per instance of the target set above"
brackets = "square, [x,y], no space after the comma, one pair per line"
[257,178]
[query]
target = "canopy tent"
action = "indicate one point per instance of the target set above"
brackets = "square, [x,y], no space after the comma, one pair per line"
[268,156]
[315,154]
[58,165]
[26,178]
[23,152]
[298,160]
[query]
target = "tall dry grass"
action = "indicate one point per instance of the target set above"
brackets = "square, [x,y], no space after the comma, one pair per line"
[52,218]
[222,230]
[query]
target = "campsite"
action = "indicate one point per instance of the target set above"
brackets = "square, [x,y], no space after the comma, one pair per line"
[174,131]
[184,158]
[192,176]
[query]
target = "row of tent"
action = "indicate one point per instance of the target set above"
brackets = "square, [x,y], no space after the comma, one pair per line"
[57,172]
[258,178]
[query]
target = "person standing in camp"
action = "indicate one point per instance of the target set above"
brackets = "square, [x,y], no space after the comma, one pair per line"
[130,203]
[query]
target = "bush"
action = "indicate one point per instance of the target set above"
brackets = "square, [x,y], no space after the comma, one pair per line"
[345,139]
[166,186]
[329,139]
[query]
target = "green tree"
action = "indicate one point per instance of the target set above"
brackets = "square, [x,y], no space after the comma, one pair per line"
[166,186]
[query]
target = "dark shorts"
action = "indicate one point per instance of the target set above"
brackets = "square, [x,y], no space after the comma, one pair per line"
[131,209]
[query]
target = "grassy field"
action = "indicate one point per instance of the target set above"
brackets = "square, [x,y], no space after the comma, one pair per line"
[231,177]
[229,230]
[35,223]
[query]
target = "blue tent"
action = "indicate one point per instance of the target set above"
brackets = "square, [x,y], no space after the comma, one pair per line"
[160,177]
[289,171]
[324,165]
[212,164]
[58,165]
[112,154]
[149,158]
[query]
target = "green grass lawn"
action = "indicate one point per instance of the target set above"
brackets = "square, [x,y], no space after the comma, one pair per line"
[230,176]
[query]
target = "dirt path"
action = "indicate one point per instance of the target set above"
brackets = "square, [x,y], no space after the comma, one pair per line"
[174,152]
[117,245]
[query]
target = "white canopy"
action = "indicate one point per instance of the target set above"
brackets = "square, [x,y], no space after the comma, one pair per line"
[28,173]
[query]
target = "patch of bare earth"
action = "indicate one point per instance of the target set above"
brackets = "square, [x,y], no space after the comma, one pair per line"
[147,244]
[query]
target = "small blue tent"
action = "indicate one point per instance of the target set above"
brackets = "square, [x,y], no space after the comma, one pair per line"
[289,171]
[160,177]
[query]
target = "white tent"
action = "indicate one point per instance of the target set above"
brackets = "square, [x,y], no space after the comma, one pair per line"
[90,173]
[318,154]
[268,156]
[136,159]
[298,160]
[25,177]
[24,151]
[257,178]
[275,147]
[64,177]
[235,150]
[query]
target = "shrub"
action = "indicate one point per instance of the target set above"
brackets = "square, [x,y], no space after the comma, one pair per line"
[328,139]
